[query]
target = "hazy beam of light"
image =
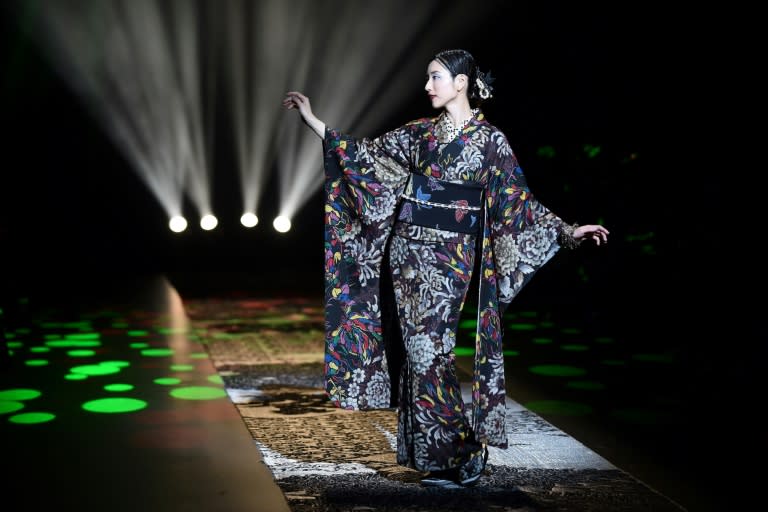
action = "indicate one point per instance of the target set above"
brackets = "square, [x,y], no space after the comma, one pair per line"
[264,39]
[367,59]
[135,64]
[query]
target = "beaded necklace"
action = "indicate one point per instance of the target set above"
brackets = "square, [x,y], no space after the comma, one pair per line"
[446,132]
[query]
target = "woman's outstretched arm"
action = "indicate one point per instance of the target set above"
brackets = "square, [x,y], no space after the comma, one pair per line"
[295,99]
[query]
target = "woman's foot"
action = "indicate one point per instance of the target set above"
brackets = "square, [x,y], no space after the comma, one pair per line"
[470,472]
[445,478]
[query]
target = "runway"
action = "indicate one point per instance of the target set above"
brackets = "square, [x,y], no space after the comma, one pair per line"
[130,395]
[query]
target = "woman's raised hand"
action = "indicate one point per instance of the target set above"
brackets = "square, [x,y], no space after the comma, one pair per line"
[296,100]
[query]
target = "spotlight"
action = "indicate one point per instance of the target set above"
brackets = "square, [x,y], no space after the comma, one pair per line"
[282,224]
[177,224]
[208,222]
[249,219]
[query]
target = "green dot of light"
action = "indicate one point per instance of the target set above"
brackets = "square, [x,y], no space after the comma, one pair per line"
[119,325]
[52,336]
[546,324]
[7,406]
[198,355]
[574,347]
[95,369]
[542,341]
[116,363]
[29,418]
[521,327]
[570,330]
[75,376]
[139,345]
[182,367]
[118,387]
[38,350]
[558,407]
[136,333]
[72,343]
[557,370]
[15,344]
[172,330]
[468,324]
[588,385]
[36,362]
[198,393]
[114,405]
[80,336]
[511,353]
[604,339]
[167,381]
[215,379]
[529,314]
[464,351]
[655,358]
[19,394]
[80,353]
[24,330]
[157,352]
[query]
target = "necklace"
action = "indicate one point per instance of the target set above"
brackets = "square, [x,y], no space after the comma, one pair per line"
[446,132]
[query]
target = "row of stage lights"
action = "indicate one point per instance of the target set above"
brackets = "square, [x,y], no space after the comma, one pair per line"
[178,224]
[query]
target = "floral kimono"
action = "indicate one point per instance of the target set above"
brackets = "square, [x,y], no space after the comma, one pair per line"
[395,285]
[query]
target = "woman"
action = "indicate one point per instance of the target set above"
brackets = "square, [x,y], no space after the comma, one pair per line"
[406,214]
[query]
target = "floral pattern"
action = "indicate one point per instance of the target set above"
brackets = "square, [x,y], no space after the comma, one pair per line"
[368,238]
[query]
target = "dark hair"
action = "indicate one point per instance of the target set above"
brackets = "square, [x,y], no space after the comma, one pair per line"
[461,62]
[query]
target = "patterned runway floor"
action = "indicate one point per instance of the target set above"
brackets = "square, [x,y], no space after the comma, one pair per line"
[269,354]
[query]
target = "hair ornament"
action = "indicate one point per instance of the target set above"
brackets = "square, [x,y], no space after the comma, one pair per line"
[484,81]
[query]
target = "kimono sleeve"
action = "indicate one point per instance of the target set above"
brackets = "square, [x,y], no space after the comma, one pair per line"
[525,233]
[367,175]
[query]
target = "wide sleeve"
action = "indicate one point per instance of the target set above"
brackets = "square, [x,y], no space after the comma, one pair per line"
[525,233]
[367,175]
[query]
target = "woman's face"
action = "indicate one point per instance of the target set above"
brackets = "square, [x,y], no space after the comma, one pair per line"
[441,87]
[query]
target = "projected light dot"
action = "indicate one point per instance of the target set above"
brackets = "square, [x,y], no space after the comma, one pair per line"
[137,333]
[118,387]
[114,405]
[80,353]
[36,362]
[75,376]
[249,220]
[282,224]
[15,344]
[117,364]
[177,224]
[7,406]
[208,222]
[38,350]
[182,367]
[29,418]
[95,369]
[157,352]
[198,393]
[542,341]
[574,347]
[215,379]
[73,343]
[557,370]
[19,394]
[198,355]
[83,336]
[167,381]
[139,345]
[464,351]
[522,327]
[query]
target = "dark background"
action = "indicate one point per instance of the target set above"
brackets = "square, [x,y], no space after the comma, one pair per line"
[680,273]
